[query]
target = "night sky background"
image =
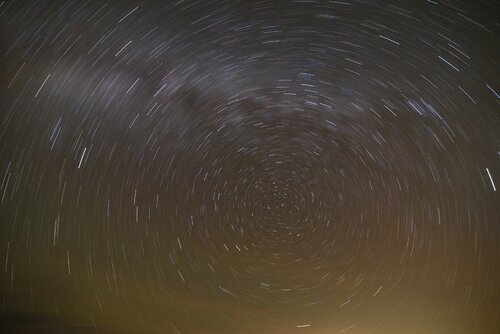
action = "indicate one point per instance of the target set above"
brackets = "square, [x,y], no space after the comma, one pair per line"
[250,167]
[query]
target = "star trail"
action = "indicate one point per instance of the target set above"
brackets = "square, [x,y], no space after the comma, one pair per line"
[247,167]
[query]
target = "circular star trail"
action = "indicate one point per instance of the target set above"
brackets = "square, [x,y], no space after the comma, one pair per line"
[249,167]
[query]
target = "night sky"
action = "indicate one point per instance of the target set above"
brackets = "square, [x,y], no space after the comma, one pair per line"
[266,167]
